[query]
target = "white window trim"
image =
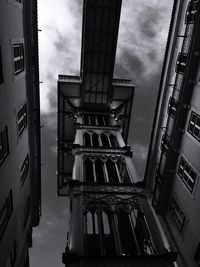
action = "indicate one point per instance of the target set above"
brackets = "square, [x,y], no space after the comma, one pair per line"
[181,234]
[20,172]
[17,122]
[192,194]
[21,74]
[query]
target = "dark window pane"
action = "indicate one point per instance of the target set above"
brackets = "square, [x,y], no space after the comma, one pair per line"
[191,12]
[99,171]
[123,172]
[126,233]
[181,63]
[106,120]
[88,167]
[4,148]
[112,172]
[113,140]
[100,121]
[92,120]
[86,139]
[5,213]
[95,140]
[104,140]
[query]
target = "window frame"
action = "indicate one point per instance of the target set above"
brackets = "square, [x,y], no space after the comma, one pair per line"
[24,169]
[20,58]
[181,176]
[176,214]
[172,107]
[197,117]
[181,63]
[4,148]
[22,118]
[192,13]
[5,213]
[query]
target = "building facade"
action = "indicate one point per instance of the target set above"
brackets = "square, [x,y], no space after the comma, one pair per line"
[20,191]
[173,169]
[111,221]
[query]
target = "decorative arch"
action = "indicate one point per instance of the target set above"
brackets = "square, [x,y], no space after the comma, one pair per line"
[105,140]
[95,140]
[87,139]
[113,140]
[99,234]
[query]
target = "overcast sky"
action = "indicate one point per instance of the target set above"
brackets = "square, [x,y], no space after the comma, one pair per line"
[142,38]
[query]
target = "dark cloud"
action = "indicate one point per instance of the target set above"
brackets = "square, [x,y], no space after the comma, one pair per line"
[129,65]
[148,21]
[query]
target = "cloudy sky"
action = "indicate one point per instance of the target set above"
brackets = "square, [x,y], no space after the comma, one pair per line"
[142,37]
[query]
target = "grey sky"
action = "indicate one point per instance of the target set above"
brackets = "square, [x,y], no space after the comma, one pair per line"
[141,43]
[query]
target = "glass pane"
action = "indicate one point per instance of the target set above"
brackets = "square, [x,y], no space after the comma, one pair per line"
[99,171]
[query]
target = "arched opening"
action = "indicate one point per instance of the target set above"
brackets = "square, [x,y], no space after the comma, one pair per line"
[123,172]
[127,239]
[107,120]
[92,119]
[113,140]
[99,232]
[99,171]
[100,121]
[86,139]
[112,172]
[88,170]
[93,237]
[95,140]
[104,140]
[86,119]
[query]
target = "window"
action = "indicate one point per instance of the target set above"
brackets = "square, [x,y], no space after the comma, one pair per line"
[24,169]
[197,254]
[172,107]
[191,12]
[27,211]
[95,140]
[1,68]
[99,171]
[177,214]
[112,171]
[181,63]
[104,140]
[22,119]
[4,147]
[194,125]
[187,174]
[18,58]
[96,120]
[99,232]
[126,233]
[5,213]
[88,170]
[113,140]
[165,143]
[86,139]
[123,171]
